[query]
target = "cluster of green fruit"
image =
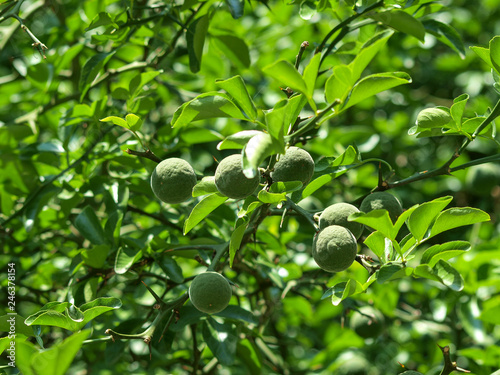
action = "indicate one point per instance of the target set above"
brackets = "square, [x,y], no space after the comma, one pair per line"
[334,246]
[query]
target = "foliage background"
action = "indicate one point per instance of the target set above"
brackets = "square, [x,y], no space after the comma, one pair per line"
[61,167]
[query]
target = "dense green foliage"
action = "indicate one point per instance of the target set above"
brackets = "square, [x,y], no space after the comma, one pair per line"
[399,95]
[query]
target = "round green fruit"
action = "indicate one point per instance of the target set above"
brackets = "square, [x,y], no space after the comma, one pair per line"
[481,179]
[173,180]
[230,180]
[295,165]
[368,322]
[210,292]
[337,214]
[382,200]
[334,248]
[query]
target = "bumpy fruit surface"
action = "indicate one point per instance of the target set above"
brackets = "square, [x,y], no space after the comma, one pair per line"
[368,322]
[334,248]
[481,179]
[295,165]
[382,200]
[337,214]
[173,180]
[210,292]
[230,180]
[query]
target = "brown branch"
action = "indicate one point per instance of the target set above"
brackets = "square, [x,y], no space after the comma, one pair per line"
[148,154]
[449,366]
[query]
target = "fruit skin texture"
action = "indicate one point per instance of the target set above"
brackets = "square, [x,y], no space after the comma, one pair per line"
[210,292]
[334,248]
[481,179]
[337,214]
[368,322]
[295,165]
[172,180]
[382,200]
[230,180]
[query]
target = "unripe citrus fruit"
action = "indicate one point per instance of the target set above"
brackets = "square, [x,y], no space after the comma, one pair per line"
[334,248]
[295,165]
[382,200]
[337,214]
[481,179]
[173,180]
[368,322]
[210,292]
[230,180]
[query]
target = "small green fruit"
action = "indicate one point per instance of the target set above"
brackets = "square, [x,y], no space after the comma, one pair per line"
[368,322]
[210,292]
[337,214]
[334,248]
[295,165]
[382,200]
[173,180]
[230,180]
[481,179]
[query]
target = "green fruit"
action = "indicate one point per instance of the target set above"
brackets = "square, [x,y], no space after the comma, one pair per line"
[334,248]
[337,214]
[295,165]
[481,179]
[230,180]
[173,180]
[210,292]
[367,322]
[382,200]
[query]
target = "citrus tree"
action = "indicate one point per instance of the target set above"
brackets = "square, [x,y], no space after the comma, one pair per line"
[260,187]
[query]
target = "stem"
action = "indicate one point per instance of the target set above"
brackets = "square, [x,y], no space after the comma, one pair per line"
[36,42]
[310,217]
[311,124]
[298,58]
[449,366]
[148,154]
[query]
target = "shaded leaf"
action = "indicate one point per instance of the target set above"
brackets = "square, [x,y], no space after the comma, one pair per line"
[401,21]
[233,48]
[89,226]
[446,34]
[221,340]
[195,38]
[236,237]
[125,258]
[205,186]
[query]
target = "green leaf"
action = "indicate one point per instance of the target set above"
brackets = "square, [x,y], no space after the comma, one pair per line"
[205,106]
[339,84]
[203,209]
[238,313]
[237,140]
[102,19]
[495,53]
[54,361]
[233,48]
[433,117]
[171,269]
[423,216]
[125,258]
[96,256]
[16,321]
[197,135]
[285,187]
[446,34]
[366,54]
[380,245]
[195,38]
[137,83]
[379,220]
[134,123]
[491,314]
[63,314]
[286,74]
[236,237]
[221,339]
[250,355]
[375,84]
[236,87]
[444,251]
[90,69]
[205,186]
[457,217]
[484,54]
[342,290]
[90,227]
[392,271]
[311,74]
[271,198]
[458,108]
[236,7]
[401,21]
[258,148]
[307,10]
[448,275]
